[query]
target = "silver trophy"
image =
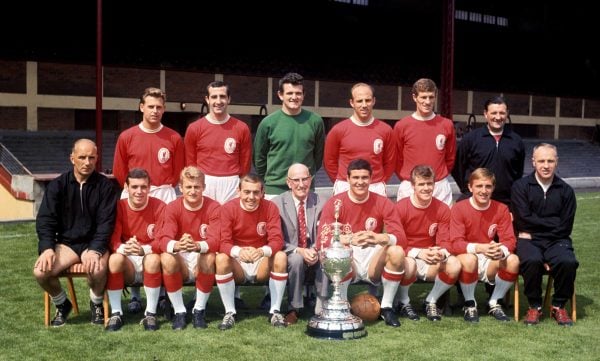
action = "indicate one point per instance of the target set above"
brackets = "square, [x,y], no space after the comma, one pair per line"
[336,322]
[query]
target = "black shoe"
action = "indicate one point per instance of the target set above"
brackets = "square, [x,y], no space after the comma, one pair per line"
[390,317]
[228,321]
[149,322]
[276,319]
[240,304]
[198,319]
[164,305]
[408,311]
[135,305]
[432,311]
[179,321]
[97,313]
[498,313]
[471,314]
[114,322]
[62,312]
[265,304]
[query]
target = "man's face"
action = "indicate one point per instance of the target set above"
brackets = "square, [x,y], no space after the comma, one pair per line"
[545,161]
[362,102]
[496,115]
[217,100]
[138,189]
[192,189]
[359,180]
[423,188]
[292,97]
[425,102]
[153,109]
[84,158]
[250,195]
[299,181]
[482,190]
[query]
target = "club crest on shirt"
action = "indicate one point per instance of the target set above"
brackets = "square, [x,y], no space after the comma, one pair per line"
[433,229]
[163,155]
[377,146]
[150,231]
[203,230]
[492,231]
[229,145]
[261,228]
[370,224]
[440,141]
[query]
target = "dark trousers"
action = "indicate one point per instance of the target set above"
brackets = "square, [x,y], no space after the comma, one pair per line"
[559,254]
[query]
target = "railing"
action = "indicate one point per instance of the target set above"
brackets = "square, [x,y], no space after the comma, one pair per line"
[10,163]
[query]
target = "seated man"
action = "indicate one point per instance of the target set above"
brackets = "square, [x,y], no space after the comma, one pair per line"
[299,209]
[544,208]
[426,222]
[251,249]
[188,239]
[483,239]
[74,224]
[377,256]
[133,259]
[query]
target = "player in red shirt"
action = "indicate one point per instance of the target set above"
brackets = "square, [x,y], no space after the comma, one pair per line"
[133,259]
[251,249]
[188,240]
[483,239]
[426,222]
[219,144]
[425,138]
[152,146]
[377,256]
[360,136]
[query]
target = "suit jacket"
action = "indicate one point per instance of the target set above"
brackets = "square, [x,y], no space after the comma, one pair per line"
[289,218]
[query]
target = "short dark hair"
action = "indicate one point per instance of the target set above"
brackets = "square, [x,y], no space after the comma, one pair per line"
[217,84]
[251,178]
[291,78]
[359,164]
[494,100]
[137,173]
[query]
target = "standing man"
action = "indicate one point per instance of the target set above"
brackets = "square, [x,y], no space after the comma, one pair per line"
[74,224]
[483,240]
[219,144]
[360,136]
[287,136]
[153,147]
[425,138]
[188,240]
[251,249]
[377,256]
[544,210]
[300,210]
[133,248]
[495,147]
[426,222]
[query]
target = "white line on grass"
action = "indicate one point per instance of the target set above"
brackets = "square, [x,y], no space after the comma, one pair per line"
[18,235]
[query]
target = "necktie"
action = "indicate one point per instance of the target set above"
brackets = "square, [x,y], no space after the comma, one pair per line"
[301,226]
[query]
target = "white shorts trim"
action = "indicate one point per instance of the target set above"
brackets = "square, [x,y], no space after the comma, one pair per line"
[441,190]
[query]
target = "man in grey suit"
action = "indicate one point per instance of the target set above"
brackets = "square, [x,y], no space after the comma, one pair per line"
[300,209]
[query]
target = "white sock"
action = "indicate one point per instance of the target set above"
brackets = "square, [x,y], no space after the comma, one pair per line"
[227,292]
[177,301]
[439,287]
[152,295]
[114,297]
[277,289]
[201,300]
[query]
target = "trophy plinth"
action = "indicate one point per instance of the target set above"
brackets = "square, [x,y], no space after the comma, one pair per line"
[336,322]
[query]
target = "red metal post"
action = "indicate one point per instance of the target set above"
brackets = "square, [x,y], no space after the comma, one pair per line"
[99,92]
[447,73]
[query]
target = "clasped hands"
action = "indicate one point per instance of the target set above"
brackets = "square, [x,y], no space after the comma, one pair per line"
[186,244]
[365,239]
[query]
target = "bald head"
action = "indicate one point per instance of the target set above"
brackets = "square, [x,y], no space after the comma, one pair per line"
[84,157]
[299,180]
